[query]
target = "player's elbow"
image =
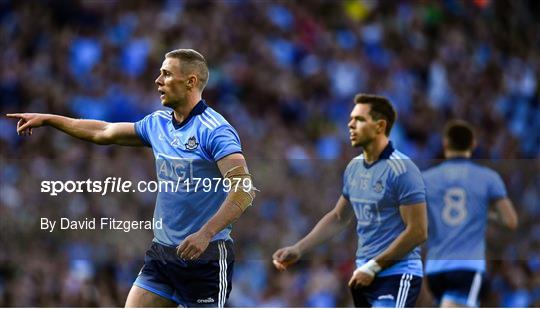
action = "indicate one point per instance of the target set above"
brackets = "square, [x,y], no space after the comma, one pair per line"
[339,218]
[507,214]
[104,137]
[511,223]
[423,237]
[101,140]
[419,234]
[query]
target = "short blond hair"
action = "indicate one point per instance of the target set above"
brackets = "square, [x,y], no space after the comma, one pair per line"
[191,62]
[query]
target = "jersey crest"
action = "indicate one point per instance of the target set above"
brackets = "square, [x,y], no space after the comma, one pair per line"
[378,187]
[192,143]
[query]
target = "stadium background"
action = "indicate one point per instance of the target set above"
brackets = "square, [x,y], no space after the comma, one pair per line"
[284,74]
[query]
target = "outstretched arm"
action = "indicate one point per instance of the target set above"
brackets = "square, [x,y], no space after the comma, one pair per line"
[95,131]
[329,226]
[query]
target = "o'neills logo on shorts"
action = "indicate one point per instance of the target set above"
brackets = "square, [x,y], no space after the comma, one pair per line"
[205,301]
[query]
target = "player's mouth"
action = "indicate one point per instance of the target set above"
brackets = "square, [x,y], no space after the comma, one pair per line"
[161,94]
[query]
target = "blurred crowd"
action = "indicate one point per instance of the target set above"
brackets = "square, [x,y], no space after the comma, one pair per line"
[284,74]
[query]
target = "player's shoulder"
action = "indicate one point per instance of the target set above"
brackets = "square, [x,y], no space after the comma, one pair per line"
[434,171]
[478,168]
[355,161]
[212,120]
[161,114]
[486,171]
[400,163]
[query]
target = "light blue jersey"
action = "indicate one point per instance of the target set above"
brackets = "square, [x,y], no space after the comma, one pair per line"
[376,192]
[459,193]
[188,150]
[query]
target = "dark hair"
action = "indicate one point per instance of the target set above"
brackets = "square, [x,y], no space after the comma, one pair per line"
[381,108]
[191,61]
[460,135]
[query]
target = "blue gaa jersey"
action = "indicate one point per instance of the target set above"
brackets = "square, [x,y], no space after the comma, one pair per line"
[376,192]
[186,154]
[459,193]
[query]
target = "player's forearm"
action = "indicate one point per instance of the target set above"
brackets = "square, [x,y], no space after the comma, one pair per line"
[329,226]
[227,214]
[88,130]
[504,214]
[409,239]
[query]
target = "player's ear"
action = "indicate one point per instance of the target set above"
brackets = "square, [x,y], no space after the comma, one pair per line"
[381,126]
[191,81]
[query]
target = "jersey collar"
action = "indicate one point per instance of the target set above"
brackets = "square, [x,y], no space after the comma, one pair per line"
[197,110]
[385,154]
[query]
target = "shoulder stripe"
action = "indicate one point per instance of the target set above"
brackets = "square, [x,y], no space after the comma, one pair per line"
[400,155]
[206,112]
[205,124]
[210,121]
[399,162]
[162,117]
[393,166]
[161,113]
[394,162]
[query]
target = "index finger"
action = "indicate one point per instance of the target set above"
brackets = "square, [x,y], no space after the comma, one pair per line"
[181,248]
[277,255]
[352,283]
[279,266]
[16,115]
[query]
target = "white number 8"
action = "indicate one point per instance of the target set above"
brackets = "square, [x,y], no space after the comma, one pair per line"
[454,211]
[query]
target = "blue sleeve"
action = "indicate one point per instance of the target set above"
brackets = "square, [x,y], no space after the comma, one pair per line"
[345,191]
[142,127]
[496,189]
[410,187]
[222,142]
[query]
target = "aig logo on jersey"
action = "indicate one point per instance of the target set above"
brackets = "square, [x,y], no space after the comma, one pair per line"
[378,187]
[367,212]
[192,143]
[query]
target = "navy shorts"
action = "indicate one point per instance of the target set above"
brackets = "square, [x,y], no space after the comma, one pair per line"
[396,291]
[463,287]
[205,282]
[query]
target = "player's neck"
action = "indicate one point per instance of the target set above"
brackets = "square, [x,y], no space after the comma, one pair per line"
[373,151]
[181,112]
[451,154]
